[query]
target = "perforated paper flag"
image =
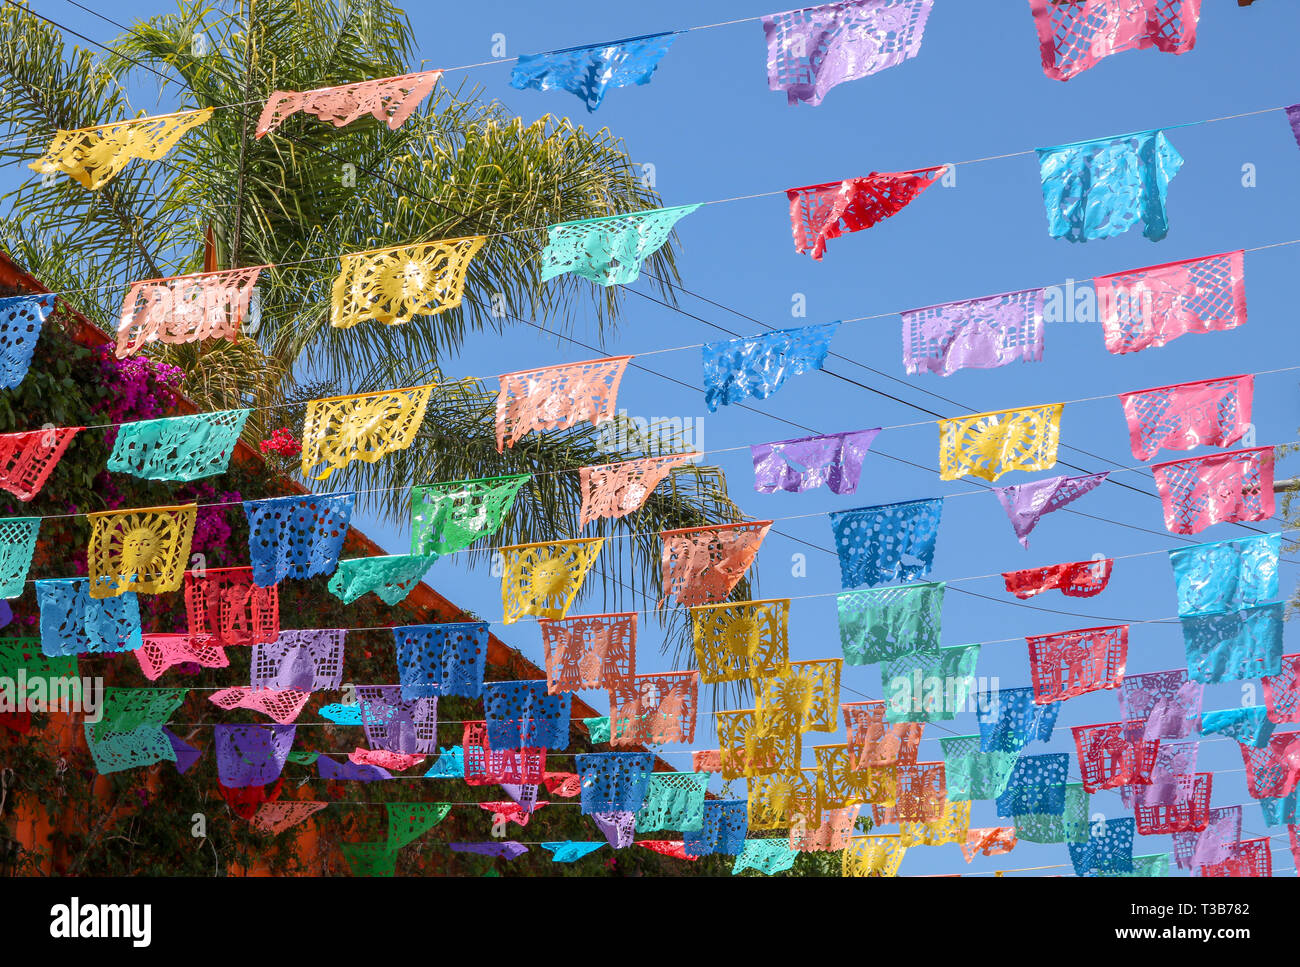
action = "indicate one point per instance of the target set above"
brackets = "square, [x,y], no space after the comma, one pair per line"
[94,156]
[144,551]
[394,285]
[755,367]
[614,781]
[118,751]
[282,705]
[1153,306]
[1273,770]
[388,99]
[1036,788]
[251,755]
[725,823]
[188,308]
[21,318]
[1210,412]
[1074,36]
[273,818]
[391,576]
[819,213]
[1114,754]
[809,51]
[307,659]
[609,250]
[1078,579]
[485,765]
[1248,724]
[1168,703]
[126,709]
[974,774]
[873,855]
[449,517]
[653,708]
[748,639]
[395,724]
[873,742]
[883,623]
[73,622]
[614,490]
[809,462]
[805,697]
[1234,646]
[363,427]
[543,579]
[1101,188]
[1216,489]
[989,841]
[178,447]
[1282,691]
[974,334]
[1251,857]
[159,652]
[557,397]
[1026,504]
[767,856]
[525,715]
[17,542]
[224,604]
[1226,575]
[1070,663]
[590,71]
[1009,719]
[296,537]
[889,542]
[827,833]
[843,785]
[929,686]
[702,565]
[441,659]
[674,800]
[1108,849]
[987,445]
[569,851]
[589,651]
[748,749]
[28,459]
[777,799]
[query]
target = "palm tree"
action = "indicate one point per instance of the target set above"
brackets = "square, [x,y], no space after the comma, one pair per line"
[222,198]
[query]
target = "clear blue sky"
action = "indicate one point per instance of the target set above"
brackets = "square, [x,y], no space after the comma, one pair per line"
[712,129]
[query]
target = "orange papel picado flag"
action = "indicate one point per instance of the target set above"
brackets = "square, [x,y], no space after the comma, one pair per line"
[143,550]
[365,426]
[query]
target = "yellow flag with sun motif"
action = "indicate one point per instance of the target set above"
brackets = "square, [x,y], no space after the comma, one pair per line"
[542,579]
[803,698]
[873,855]
[366,426]
[987,445]
[746,749]
[784,799]
[393,285]
[742,639]
[143,550]
[842,784]
[94,156]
